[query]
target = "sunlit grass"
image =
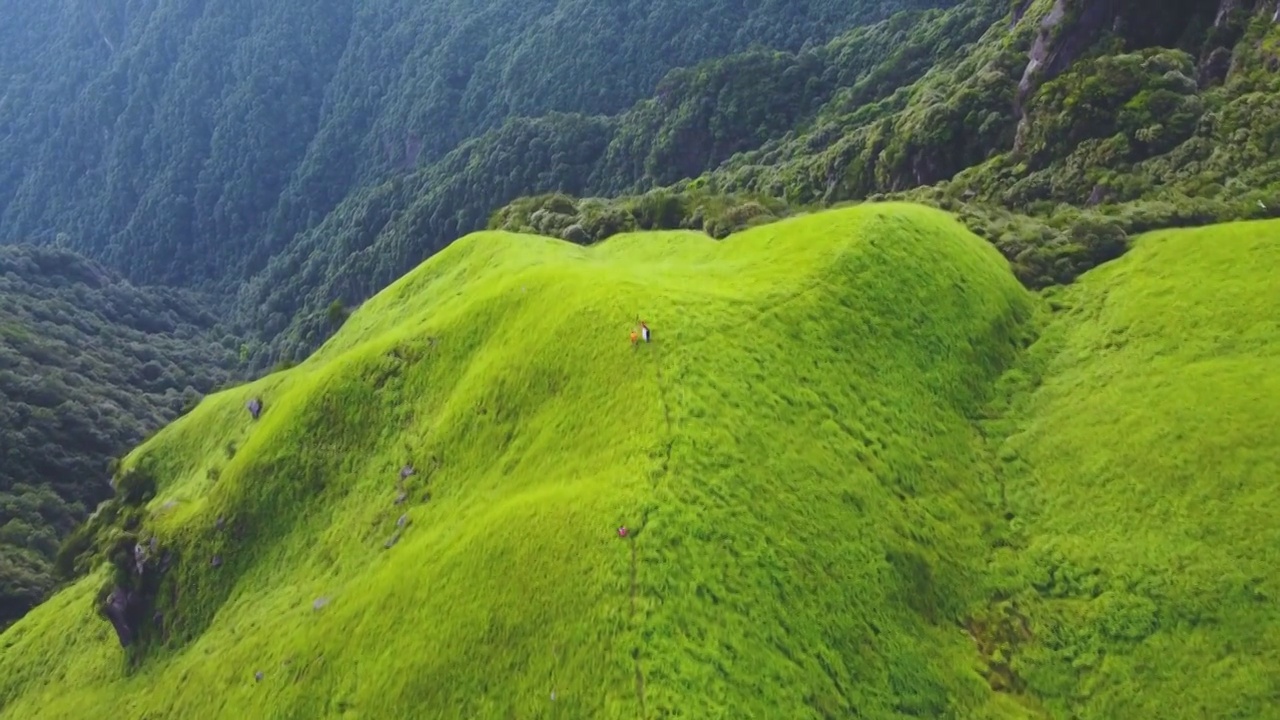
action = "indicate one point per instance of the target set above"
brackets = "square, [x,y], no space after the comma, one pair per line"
[1143,474]
[790,454]
[820,521]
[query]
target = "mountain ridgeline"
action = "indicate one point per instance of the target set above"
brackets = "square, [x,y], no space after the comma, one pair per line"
[1066,127]
[1055,129]
[296,158]
[188,142]
[159,147]
[857,470]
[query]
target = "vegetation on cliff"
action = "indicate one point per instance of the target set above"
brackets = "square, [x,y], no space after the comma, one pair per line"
[1057,171]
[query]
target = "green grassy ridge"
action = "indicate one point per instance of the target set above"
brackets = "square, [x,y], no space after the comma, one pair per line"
[852,486]
[1139,458]
[797,548]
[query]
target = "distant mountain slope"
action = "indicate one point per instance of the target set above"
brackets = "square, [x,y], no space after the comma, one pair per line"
[1055,129]
[298,157]
[88,366]
[698,118]
[186,141]
[804,494]
[1054,132]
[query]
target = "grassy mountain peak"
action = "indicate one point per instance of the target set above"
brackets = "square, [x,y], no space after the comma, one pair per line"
[790,455]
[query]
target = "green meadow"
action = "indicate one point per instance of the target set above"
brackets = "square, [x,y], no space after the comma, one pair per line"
[863,473]
[1140,470]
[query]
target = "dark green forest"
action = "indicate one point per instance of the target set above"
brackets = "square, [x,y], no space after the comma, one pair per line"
[89,365]
[202,188]
[1121,128]
[189,142]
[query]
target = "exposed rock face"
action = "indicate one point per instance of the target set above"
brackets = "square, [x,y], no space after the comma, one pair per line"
[1214,68]
[121,609]
[1263,8]
[131,598]
[1071,27]
[1225,8]
[1019,10]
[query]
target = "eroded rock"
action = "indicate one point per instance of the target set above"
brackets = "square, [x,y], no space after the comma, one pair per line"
[1214,68]
[129,600]
[119,608]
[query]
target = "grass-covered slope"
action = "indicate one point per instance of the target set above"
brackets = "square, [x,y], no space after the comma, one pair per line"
[792,454]
[1141,474]
[820,523]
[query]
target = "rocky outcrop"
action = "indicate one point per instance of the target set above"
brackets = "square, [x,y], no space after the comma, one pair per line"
[1071,27]
[1225,8]
[1068,29]
[1019,10]
[1214,67]
[1266,8]
[1229,9]
[129,600]
[121,610]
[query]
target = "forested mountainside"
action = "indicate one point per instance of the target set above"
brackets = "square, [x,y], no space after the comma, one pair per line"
[1069,125]
[306,156]
[89,365]
[298,158]
[187,141]
[1056,129]
[697,118]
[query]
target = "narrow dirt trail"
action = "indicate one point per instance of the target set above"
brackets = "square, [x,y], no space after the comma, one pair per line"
[657,478]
